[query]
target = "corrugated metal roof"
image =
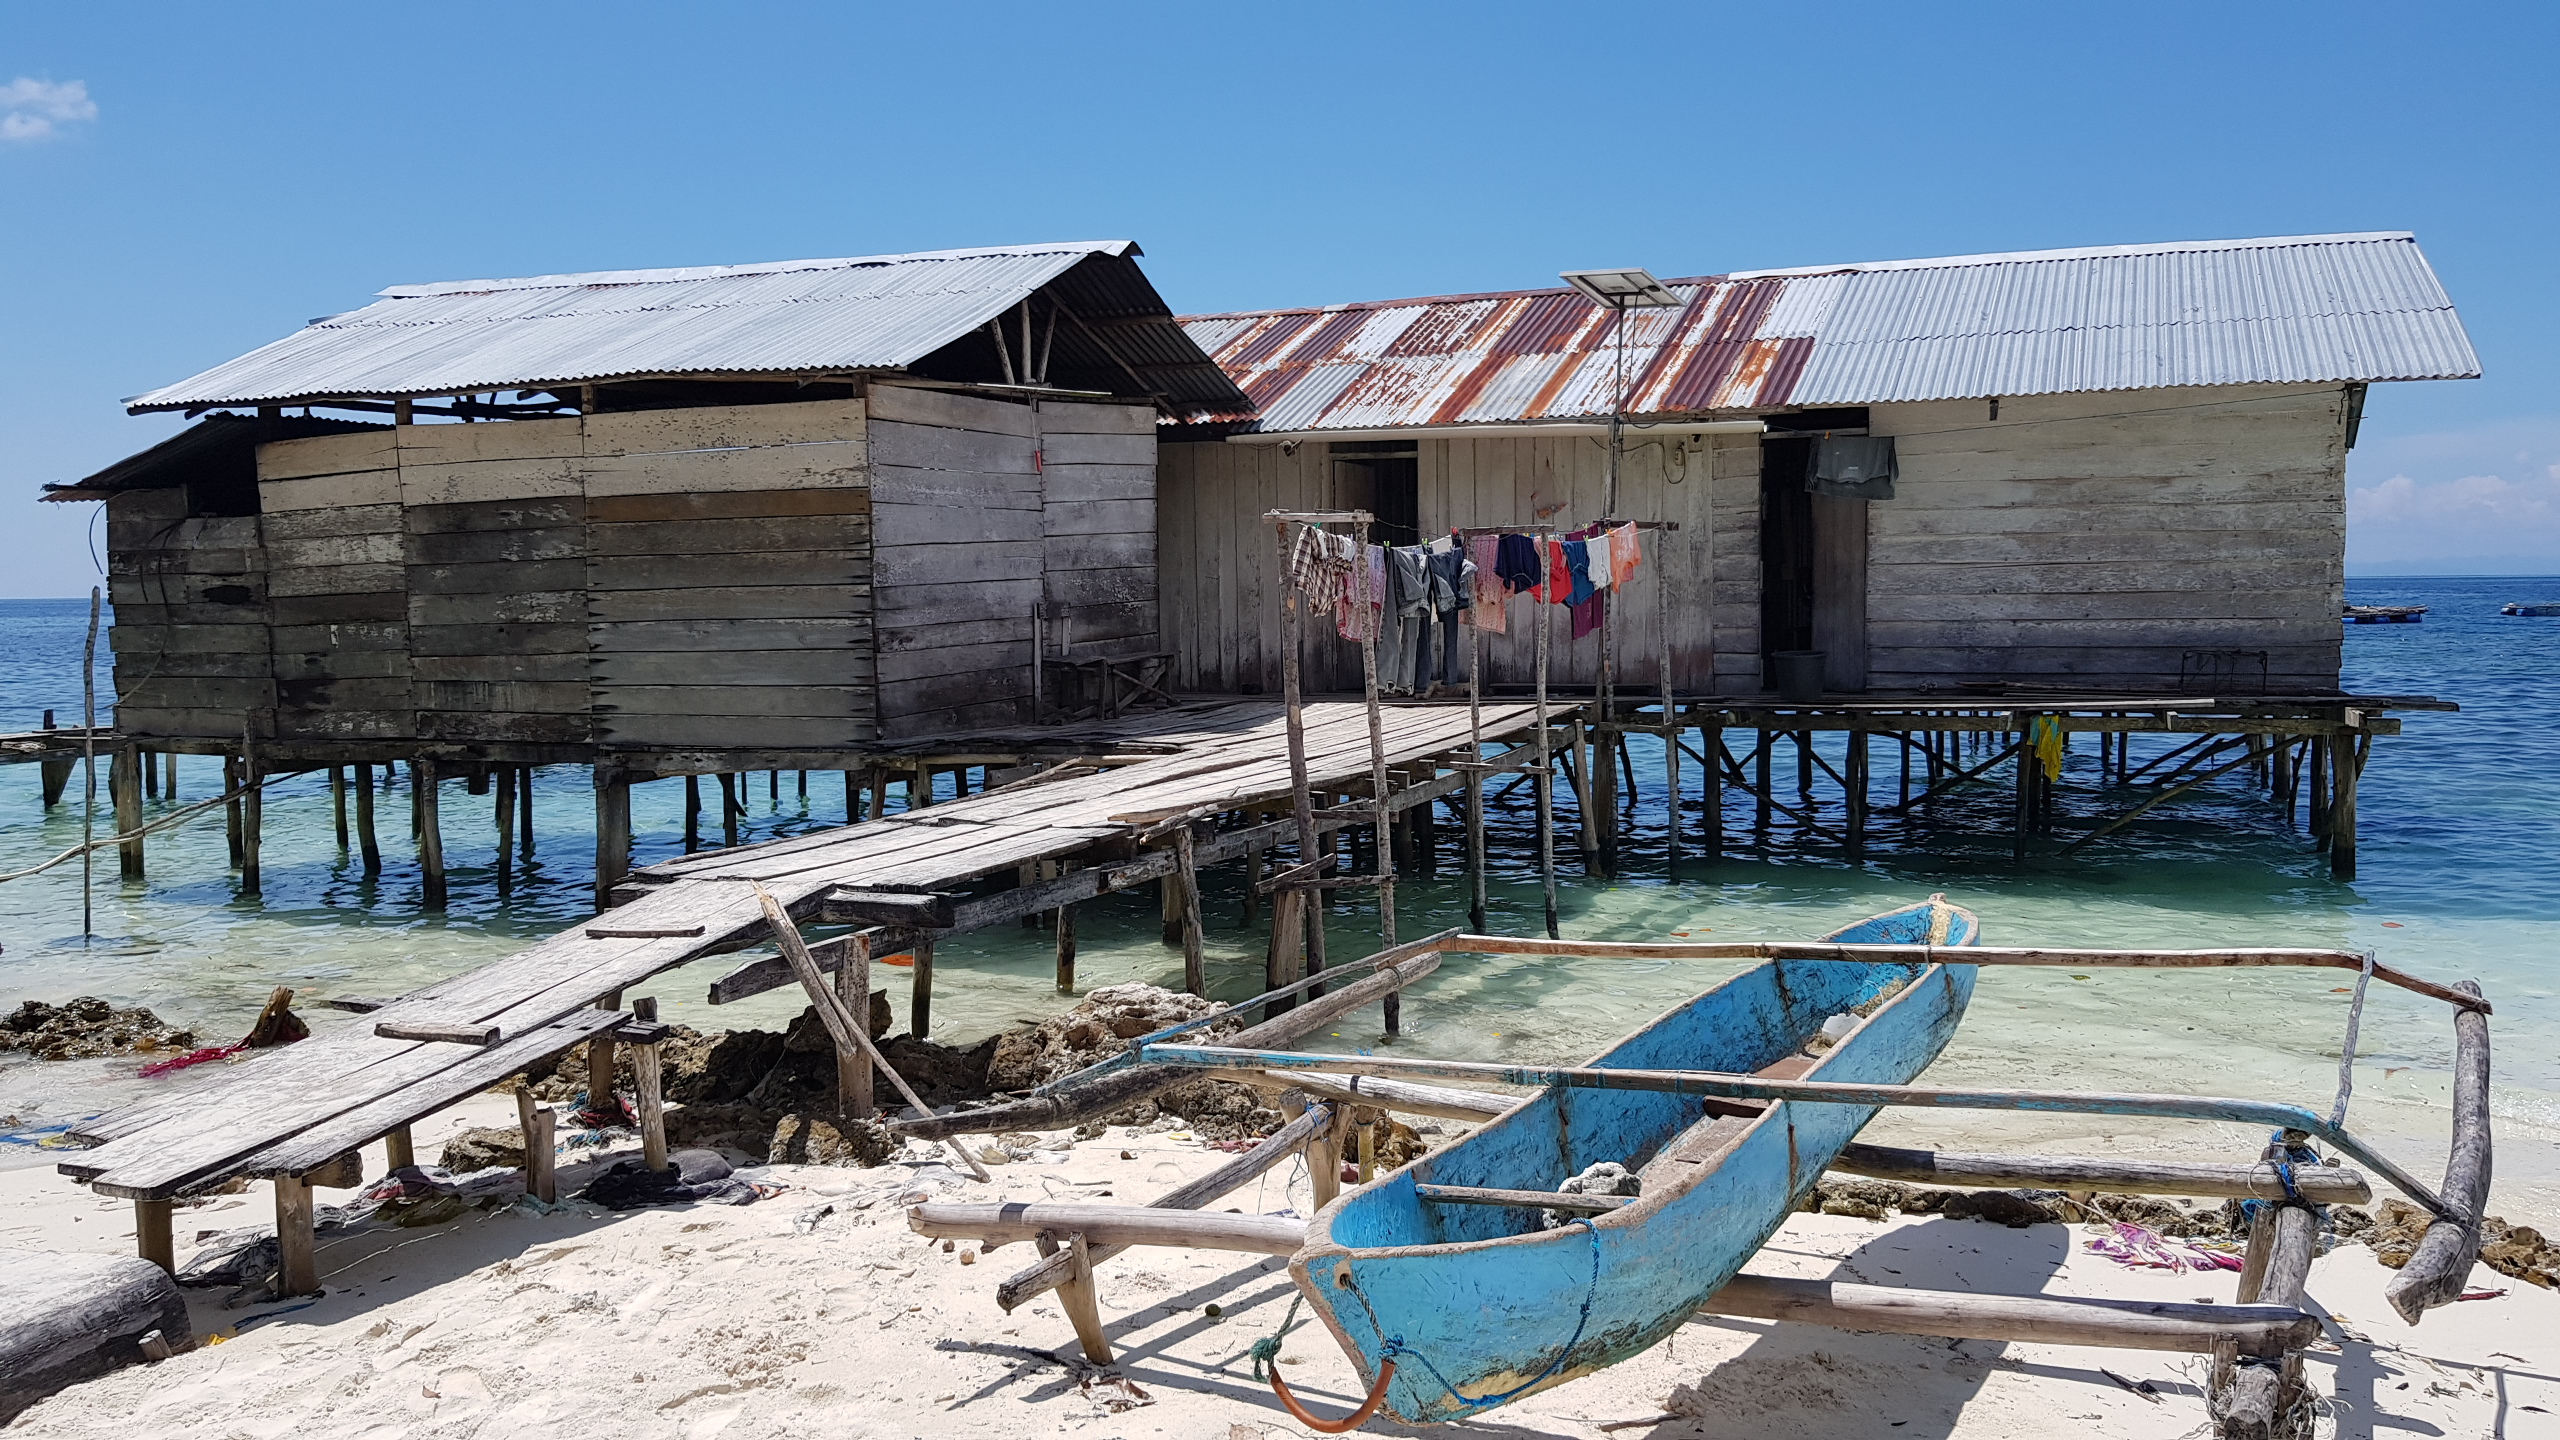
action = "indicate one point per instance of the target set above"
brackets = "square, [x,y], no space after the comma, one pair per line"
[877,312]
[2305,308]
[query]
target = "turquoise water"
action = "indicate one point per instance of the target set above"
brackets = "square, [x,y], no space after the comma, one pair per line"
[2460,818]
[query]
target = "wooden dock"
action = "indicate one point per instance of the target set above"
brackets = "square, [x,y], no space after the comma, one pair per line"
[295,1112]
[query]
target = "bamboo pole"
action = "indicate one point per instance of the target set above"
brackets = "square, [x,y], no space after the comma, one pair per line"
[2045,1319]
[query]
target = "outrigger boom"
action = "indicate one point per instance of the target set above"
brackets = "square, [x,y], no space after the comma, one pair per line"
[1721,1085]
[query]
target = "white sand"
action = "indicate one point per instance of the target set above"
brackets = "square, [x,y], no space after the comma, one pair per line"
[700,1321]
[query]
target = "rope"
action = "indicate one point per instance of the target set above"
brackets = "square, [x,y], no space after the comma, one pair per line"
[1391,1347]
[2347,1054]
[1266,1351]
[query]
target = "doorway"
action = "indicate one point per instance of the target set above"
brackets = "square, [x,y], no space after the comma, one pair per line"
[1383,477]
[1813,568]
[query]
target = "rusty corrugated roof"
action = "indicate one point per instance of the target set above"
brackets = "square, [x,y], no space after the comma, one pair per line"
[2290,309]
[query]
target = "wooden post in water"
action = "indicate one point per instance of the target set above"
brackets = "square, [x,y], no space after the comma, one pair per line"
[1475,779]
[422,779]
[369,848]
[338,803]
[1065,925]
[920,1000]
[124,788]
[1711,746]
[231,807]
[692,813]
[1764,774]
[852,797]
[1546,775]
[504,803]
[2346,767]
[613,834]
[524,811]
[253,816]
[1285,961]
[1195,977]
[853,1066]
[1169,911]
[1856,772]
[2319,753]
[2023,810]
[731,807]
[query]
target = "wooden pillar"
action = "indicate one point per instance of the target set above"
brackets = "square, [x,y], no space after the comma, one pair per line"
[645,1078]
[803,794]
[1711,821]
[1285,962]
[2022,815]
[613,835]
[1169,910]
[253,820]
[853,1066]
[124,787]
[1065,922]
[732,805]
[541,1180]
[154,1237]
[1253,870]
[1588,837]
[920,1002]
[504,804]
[1601,787]
[231,807]
[692,813]
[399,1149]
[2319,753]
[424,787]
[338,803]
[298,1247]
[852,796]
[1763,774]
[1194,963]
[150,775]
[1804,767]
[524,812]
[1856,772]
[2345,769]
[879,794]
[601,1099]
[475,779]
[1476,879]
[367,844]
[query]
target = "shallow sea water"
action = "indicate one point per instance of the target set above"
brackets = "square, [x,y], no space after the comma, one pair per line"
[2460,818]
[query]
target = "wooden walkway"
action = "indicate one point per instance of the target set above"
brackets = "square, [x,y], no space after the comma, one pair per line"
[295,1110]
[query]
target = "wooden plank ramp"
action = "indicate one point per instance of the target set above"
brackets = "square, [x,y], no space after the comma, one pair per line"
[277,1112]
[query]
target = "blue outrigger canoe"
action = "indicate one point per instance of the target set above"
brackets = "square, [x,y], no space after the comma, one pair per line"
[1478,1305]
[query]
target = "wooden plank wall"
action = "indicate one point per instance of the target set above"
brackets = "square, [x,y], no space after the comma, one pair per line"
[2092,539]
[190,643]
[331,520]
[495,534]
[959,550]
[1098,526]
[1220,560]
[728,576]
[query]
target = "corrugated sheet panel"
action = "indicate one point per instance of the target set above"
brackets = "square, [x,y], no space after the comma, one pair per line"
[2293,309]
[869,313]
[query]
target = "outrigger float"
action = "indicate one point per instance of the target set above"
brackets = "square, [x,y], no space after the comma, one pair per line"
[1467,1280]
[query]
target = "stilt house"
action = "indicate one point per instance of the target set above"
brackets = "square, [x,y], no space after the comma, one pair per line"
[2120,468]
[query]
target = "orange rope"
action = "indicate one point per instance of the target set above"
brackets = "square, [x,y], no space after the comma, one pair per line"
[1352,1421]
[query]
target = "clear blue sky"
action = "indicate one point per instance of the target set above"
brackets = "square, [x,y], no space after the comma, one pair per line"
[221,174]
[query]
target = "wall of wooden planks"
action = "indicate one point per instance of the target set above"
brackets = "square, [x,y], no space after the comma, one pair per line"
[1220,560]
[2092,540]
[192,618]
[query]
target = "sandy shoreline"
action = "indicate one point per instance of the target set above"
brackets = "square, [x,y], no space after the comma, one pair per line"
[817,1312]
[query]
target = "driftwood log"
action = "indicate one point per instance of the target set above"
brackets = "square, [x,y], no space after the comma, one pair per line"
[66,1318]
[2441,1265]
[1073,1102]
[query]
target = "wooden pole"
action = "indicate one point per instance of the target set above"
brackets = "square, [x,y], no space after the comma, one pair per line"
[1379,792]
[399,1149]
[2441,1266]
[422,781]
[504,803]
[154,1236]
[1711,748]
[124,788]
[2051,1320]
[1857,788]
[1063,920]
[538,1121]
[853,1063]
[1285,962]
[1585,797]
[692,813]
[731,806]
[2022,815]
[1670,705]
[1187,877]
[852,796]
[602,1099]
[879,805]
[1546,772]
[369,846]
[298,1272]
[1169,911]
[338,803]
[2319,790]
[1306,945]
[151,776]
[253,816]
[524,812]
[1763,759]
[2320,1184]
[2346,767]
[645,1076]
[920,1000]
[613,833]
[1076,1294]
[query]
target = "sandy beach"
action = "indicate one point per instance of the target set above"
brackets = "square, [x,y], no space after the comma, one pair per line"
[817,1312]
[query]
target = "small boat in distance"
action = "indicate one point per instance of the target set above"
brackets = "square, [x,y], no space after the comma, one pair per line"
[2385,614]
[1487,1301]
[2530,607]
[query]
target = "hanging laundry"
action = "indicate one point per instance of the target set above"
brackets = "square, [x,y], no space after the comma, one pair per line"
[1624,556]
[1320,565]
[1590,607]
[1404,638]
[1491,593]
[1559,579]
[1853,467]
[1356,610]
[1577,571]
[1453,581]
[1516,562]
[1604,571]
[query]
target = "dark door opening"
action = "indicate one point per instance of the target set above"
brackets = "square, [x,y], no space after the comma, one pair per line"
[1786,547]
[1384,478]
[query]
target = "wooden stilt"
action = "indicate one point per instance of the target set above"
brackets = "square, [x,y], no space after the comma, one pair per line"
[504,804]
[1546,774]
[524,812]
[475,779]
[231,807]
[692,813]
[1586,824]
[124,788]
[2023,810]
[151,777]
[1169,911]
[853,1066]
[920,1000]
[1600,788]
[2319,803]
[368,846]
[613,834]
[423,782]
[602,1099]
[1858,781]
[1066,934]
[645,1078]
[154,1237]
[852,797]
[338,803]
[1285,961]
[298,1270]
[1711,804]
[538,1122]
[1324,1158]
[1764,759]
[2345,769]
[253,818]
[732,805]
[879,794]
[803,794]
[1253,873]
[1194,939]
[399,1149]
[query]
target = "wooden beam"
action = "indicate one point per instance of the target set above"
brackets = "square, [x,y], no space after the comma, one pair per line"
[886,907]
[2043,1319]
[1121,1225]
[454,1032]
[2321,1184]
[2441,1266]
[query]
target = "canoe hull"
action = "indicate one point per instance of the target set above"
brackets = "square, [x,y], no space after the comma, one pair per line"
[1478,1305]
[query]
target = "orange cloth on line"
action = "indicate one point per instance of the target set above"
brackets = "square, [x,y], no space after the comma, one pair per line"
[1624,557]
[1559,587]
[1484,607]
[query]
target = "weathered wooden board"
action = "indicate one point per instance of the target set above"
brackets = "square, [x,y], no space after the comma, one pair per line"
[329,492]
[748,537]
[493,640]
[803,701]
[316,455]
[726,505]
[745,669]
[707,572]
[562,667]
[756,598]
